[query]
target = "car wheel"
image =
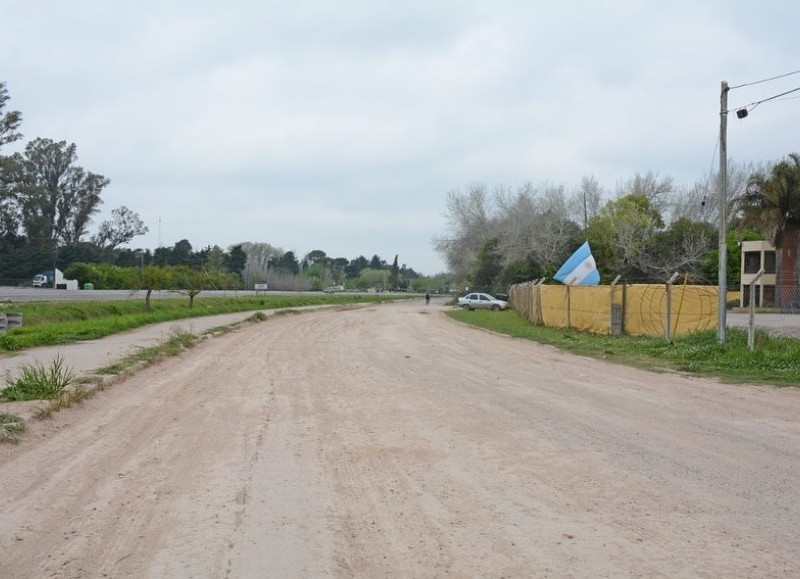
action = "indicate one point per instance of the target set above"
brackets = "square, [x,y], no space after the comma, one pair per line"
[495,307]
[466,307]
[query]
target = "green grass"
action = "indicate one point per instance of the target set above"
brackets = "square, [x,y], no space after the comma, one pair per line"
[37,382]
[54,323]
[775,361]
[174,345]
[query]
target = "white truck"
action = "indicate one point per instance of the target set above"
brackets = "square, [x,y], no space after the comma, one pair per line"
[53,279]
[44,279]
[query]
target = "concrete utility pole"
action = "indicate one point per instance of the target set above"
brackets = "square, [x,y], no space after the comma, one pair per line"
[723,211]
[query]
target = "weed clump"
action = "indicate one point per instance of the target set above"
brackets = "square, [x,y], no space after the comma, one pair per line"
[11,427]
[37,382]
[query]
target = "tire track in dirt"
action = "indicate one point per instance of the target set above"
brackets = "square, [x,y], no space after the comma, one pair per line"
[137,469]
[389,441]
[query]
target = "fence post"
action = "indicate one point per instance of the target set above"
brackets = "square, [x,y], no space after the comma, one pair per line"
[751,326]
[616,313]
[668,324]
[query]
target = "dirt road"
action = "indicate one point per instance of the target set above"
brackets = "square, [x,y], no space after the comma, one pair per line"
[389,441]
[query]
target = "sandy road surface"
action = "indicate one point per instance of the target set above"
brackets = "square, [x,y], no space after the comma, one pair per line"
[389,441]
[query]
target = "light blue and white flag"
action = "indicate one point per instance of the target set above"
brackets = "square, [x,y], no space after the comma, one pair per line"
[579,269]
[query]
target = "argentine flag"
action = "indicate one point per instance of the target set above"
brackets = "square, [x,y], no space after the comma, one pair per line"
[579,269]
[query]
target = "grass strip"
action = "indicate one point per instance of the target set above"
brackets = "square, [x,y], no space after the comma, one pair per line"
[776,361]
[55,323]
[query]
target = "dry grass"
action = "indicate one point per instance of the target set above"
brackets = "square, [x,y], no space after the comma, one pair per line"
[11,428]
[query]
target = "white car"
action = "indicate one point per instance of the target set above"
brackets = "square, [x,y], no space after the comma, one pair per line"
[476,301]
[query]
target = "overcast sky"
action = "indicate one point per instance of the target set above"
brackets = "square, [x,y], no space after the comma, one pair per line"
[340,125]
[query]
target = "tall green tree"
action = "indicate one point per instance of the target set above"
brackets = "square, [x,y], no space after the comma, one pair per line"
[9,121]
[236,260]
[287,263]
[354,268]
[488,265]
[9,214]
[376,263]
[315,256]
[778,197]
[622,236]
[55,198]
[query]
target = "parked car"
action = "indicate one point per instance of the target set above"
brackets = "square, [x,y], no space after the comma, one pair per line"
[475,301]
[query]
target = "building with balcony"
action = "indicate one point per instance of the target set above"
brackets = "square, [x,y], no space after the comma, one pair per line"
[757,255]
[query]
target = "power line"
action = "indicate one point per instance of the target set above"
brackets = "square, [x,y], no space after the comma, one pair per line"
[776,96]
[753,105]
[766,79]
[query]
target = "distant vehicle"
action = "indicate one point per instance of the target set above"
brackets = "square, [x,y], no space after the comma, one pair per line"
[481,301]
[334,289]
[44,279]
[477,301]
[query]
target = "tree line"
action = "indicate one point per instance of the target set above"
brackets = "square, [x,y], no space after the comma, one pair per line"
[644,231]
[47,202]
[317,271]
[242,267]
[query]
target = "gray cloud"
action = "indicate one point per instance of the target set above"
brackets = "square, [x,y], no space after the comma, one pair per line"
[341,125]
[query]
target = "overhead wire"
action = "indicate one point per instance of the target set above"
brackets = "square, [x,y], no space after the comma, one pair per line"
[754,104]
[766,79]
[750,106]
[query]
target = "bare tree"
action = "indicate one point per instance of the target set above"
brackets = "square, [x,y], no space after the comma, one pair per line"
[470,224]
[682,248]
[586,201]
[121,229]
[535,224]
[700,201]
[259,256]
[526,225]
[517,216]
[696,202]
[658,190]
[554,229]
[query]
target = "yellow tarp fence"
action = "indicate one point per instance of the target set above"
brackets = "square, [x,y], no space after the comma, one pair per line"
[632,309]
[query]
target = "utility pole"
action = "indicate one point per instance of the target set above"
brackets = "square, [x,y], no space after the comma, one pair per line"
[723,211]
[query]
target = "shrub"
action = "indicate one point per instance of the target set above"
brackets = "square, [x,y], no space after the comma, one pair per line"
[39,383]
